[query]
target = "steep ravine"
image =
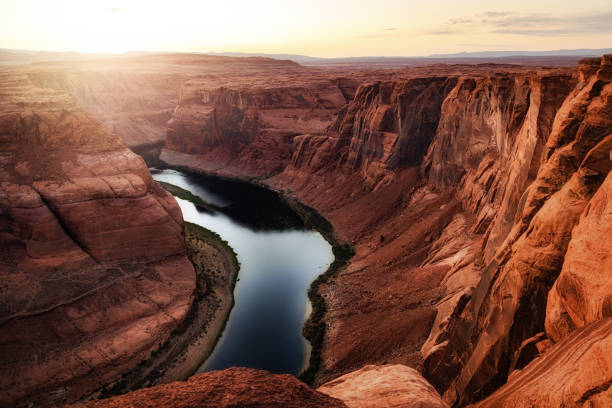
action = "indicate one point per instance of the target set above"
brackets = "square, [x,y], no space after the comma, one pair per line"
[93,264]
[477,208]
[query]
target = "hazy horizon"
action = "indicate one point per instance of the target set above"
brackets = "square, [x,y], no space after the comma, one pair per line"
[317,29]
[467,54]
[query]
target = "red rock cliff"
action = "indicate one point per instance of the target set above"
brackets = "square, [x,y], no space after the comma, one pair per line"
[250,128]
[93,262]
[476,203]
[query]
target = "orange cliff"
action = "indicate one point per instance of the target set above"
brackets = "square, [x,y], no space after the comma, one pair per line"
[93,262]
[469,196]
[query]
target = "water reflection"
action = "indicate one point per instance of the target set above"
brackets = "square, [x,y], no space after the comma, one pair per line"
[279,259]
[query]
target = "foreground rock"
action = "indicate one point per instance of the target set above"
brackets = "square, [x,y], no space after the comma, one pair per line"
[385,387]
[93,263]
[234,387]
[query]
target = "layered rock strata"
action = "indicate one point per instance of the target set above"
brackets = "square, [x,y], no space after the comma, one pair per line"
[252,128]
[93,262]
[476,204]
[385,386]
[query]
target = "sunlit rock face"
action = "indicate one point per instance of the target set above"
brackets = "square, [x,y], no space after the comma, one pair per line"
[93,262]
[572,373]
[512,306]
[476,204]
[385,386]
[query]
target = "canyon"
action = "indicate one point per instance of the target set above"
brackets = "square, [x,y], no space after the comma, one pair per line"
[475,198]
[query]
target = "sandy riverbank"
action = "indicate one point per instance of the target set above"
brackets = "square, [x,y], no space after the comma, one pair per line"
[217,264]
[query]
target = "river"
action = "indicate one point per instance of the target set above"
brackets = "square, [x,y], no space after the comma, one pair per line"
[279,258]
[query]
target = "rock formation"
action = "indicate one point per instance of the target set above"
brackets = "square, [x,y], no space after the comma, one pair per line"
[574,372]
[386,386]
[234,387]
[93,264]
[467,196]
[251,129]
[372,386]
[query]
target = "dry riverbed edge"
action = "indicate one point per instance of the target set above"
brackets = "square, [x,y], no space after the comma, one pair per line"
[216,267]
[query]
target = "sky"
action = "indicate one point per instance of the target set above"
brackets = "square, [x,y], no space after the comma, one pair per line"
[324,28]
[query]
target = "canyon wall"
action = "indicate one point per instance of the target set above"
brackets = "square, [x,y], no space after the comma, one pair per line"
[250,128]
[136,96]
[93,262]
[476,201]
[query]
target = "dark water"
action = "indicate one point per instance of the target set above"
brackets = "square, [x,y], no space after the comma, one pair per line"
[279,259]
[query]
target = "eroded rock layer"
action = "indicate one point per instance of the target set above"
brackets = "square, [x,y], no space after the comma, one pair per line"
[573,373]
[93,263]
[251,128]
[476,202]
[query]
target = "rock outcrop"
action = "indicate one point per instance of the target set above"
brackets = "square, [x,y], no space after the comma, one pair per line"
[476,199]
[93,262]
[476,202]
[234,387]
[573,373]
[384,387]
[250,129]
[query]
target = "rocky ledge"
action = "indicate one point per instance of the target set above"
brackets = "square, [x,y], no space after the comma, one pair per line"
[372,387]
[234,387]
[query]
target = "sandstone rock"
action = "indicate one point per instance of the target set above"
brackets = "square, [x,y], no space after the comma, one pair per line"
[385,387]
[391,124]
[583,292]
[92,256]
[256,124]
[575,372]
[234,387]
[509,305]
